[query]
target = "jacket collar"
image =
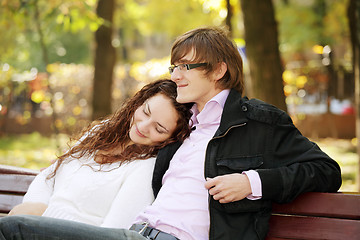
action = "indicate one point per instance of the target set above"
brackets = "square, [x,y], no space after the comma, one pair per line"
[234,112]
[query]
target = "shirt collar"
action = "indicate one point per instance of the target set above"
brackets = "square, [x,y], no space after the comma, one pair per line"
[212,110]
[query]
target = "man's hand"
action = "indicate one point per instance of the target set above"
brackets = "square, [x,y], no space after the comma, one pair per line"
[229,188]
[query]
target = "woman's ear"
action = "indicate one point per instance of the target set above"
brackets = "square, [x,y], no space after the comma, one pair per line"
[220,71]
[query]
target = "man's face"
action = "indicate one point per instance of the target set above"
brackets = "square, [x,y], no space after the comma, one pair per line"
[193,85]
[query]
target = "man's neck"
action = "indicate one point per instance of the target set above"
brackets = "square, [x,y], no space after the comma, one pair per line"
[200,105]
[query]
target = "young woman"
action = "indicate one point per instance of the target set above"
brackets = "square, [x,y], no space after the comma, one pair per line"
[105,179]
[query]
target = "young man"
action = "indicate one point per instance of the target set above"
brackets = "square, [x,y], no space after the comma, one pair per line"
[220,182]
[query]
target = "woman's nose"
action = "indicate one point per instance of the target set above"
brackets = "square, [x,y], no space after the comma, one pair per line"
[144,126]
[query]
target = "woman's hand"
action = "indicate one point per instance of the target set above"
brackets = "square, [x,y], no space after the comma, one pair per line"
[29,208]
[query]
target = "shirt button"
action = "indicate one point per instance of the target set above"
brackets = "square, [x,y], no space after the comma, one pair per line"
[244,108]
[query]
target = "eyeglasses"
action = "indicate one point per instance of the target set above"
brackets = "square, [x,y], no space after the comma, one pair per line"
[187,67]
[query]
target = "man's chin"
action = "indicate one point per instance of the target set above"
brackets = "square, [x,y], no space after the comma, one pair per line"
[180,99]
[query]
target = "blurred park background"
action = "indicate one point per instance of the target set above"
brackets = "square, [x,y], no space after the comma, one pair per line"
[64,63]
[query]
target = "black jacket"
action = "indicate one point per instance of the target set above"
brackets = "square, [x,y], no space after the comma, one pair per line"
[256,135]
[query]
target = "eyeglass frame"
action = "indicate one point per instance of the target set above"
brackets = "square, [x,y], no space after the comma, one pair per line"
[188,66]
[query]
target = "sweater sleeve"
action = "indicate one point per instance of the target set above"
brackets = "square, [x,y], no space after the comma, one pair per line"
[41,189]
[134,195]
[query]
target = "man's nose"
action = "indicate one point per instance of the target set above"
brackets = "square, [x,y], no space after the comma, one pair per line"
[176,75]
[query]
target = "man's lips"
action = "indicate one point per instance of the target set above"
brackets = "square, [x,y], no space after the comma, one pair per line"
[181,85]
[138,132]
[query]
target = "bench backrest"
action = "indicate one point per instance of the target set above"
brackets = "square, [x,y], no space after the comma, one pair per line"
[14,182]
[314,216]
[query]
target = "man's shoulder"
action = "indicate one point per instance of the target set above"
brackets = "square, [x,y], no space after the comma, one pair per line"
[240,108]
[264,112]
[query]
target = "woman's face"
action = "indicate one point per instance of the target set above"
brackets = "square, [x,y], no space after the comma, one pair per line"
[154,121]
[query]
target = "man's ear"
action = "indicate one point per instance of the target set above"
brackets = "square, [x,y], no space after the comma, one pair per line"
[220,71]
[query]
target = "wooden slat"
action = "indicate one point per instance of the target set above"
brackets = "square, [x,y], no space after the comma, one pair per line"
[340,205]
[275,238]
[298,227]
[6,169]
[7,202]
[15,183]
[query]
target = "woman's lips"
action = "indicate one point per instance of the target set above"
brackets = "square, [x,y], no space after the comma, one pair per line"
[138,132]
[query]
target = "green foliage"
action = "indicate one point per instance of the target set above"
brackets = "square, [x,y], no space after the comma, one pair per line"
[302,24]
[29,150]
[185,15]
[172,17]
[302,36]
[336,22]
[68,26]
[65,26]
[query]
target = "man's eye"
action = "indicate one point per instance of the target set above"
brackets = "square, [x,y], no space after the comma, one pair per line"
[182,66]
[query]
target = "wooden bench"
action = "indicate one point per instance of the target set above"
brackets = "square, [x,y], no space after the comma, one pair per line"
[333,216]
[14,182]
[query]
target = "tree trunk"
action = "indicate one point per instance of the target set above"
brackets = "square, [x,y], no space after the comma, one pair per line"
[262,51]
[354,25]
[105,58]
[229,16]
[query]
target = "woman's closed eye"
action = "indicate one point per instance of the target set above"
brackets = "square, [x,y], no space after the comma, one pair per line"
[161,129]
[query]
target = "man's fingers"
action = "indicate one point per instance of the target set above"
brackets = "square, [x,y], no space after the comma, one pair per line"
[214,190]
[210,183]
[222,198]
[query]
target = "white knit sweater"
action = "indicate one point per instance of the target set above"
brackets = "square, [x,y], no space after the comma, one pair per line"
[111,197]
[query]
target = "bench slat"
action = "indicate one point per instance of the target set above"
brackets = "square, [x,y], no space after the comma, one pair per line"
[5,169]
[15,183]
[339,205]
[7,202]
[276,238]
[316,228]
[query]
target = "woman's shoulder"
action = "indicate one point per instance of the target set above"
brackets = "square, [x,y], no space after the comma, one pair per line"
[149,162]
[140,166]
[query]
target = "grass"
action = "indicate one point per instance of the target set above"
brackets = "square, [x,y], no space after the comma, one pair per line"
[30,150]
[35,151]
[344,152]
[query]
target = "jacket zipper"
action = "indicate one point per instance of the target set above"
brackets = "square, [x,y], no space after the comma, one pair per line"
[217,137]
[221,136]
[235,126]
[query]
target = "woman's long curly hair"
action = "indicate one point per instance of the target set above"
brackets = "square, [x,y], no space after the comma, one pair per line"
[113,132]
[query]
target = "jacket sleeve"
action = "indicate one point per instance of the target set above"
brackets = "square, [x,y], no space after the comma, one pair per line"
[299,166]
